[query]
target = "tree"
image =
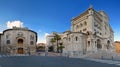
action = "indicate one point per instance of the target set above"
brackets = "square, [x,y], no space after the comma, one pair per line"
[50,48]
[56,38]
[40,48]
[52,41]
[61,47]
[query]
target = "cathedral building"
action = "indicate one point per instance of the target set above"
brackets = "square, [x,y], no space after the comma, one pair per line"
[90,32]
[18,41]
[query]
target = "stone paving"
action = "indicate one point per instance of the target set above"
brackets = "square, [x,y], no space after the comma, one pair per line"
[53,61]
[113,62]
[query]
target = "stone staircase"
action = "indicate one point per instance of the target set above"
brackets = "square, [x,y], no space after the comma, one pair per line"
[103,55]
[95,55]
[53,54]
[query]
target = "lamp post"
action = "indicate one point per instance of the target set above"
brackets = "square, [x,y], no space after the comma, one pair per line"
[46,50]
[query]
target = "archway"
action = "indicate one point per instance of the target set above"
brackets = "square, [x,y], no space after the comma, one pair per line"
[20,41]
[20,51]
[99,46]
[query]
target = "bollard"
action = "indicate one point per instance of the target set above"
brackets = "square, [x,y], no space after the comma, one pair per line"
[112,58]
[101,57]
[67,55]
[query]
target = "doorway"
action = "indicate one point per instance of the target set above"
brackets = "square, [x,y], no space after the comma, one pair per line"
[20,50]
[99,46]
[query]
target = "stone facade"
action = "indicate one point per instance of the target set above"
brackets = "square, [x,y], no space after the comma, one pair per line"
[18,41]
[49,43]
[90,32]
[74,42]
[48,39]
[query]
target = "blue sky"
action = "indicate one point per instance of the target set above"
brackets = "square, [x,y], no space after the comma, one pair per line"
[46,16]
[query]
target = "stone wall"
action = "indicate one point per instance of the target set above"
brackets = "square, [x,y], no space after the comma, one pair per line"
[13,39]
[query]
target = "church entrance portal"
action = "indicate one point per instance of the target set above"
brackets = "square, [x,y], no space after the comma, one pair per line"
[20,51]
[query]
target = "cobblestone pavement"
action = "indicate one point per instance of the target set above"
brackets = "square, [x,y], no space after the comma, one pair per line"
[50,61]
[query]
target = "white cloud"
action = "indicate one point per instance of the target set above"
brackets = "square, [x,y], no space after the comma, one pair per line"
[42,37]
[10,24]
[39,31]
[116,35]
[16,23]
[46,34]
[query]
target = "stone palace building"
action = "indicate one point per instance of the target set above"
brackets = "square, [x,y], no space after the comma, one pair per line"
[90,32]
[18,41]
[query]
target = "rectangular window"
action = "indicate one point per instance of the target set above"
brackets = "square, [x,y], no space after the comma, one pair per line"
[31,37]
[8,41]
[31,43]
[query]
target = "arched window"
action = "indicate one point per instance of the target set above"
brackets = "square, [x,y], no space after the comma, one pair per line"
[88,43]
[20,41]
[99,46]
[108,44]
[76,38]
[85,23]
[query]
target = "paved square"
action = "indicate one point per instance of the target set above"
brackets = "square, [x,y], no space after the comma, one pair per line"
[47,61]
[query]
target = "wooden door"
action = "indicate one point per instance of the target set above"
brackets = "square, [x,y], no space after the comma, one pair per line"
[20,50]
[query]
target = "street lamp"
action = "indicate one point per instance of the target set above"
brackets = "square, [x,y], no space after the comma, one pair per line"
[46,50]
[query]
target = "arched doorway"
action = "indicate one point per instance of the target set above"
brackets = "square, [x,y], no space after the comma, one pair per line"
[108,44]
[20,42]
[99,46]
[20,50]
